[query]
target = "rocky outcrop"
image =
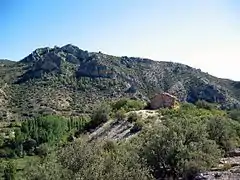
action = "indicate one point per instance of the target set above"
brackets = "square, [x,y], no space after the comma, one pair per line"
[207,92]
[234,152]
[218,176]
[123,129]
[114,130]
[94,69]
[90,77]
[228,169]
[179,91]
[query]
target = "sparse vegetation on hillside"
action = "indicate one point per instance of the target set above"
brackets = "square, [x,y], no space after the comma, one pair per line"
[69,81]
[52,100]
[186,141]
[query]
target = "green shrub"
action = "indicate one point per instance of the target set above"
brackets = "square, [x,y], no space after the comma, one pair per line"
[133,117]
[42,150]
[128,105]
[205,105]
[102,160]
[48,129]
[10,171]
[188,106]
[109,146]
[15,124]
[77,124]
[48,168]
[99,116]
[1,140]
[177,148]
[223,132]
[7,153]
[234,114]
[120,115]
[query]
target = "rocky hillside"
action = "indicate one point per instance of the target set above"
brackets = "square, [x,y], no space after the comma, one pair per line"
[67,80]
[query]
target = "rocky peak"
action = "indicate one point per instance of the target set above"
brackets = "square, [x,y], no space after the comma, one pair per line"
[148,77]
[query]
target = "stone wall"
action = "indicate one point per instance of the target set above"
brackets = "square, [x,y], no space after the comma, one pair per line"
[163,100]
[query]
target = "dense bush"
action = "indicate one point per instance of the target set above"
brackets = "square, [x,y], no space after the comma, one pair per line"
[92,161]
[10,171]
[186,141]
[48,129]
[77,124]
[234,114]
[120,114]
[7,152]
[100,115]
[133,117]
[205,105]
[128,105]
[178,148]
[1,140]
[48,169]
[222,131]
[42,150]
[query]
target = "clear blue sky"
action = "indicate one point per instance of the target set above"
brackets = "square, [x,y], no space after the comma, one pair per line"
[201,33]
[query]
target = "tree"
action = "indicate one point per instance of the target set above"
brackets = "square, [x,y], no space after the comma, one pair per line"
[204,105]
[128,105]
[100,160]
[1,140]
[48,169]
[120,115]
[222,131]
[10,171]
[44,129]
[99,116]
[234,114]
[178,148]
[42,150]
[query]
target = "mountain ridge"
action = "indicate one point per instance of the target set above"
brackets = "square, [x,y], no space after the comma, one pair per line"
[67,80]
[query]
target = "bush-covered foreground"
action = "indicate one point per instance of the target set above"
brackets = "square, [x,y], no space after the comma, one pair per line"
[181,143]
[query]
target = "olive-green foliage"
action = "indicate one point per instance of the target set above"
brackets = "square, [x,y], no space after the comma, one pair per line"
[100,115]
[205,105]
[120,114]
[77,124]
[223,132]
[48,169]
[92,161]
[42,150]
[103,161]
[128,105]
[178,148]
[36,136]
[234,114]
[48,129]
[2,167]
[1,140]
[7,152]
[220,128]
[10,171]
[186,141]
[133,117]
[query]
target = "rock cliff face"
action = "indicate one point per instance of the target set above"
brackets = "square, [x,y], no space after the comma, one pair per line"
[88,78]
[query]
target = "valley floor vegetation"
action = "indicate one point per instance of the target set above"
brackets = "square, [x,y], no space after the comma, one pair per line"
[181,143]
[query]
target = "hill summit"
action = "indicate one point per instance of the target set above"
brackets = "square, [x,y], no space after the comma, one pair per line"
[69,81]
